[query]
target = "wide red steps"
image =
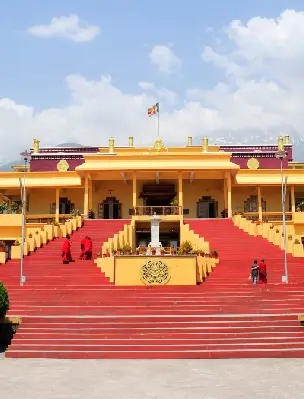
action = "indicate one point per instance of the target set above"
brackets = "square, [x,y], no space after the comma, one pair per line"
[73,312]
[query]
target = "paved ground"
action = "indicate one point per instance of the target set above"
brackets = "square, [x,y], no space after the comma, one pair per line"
[212,379]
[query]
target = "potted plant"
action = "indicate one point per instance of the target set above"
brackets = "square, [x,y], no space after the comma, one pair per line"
[127,250]
[114,252]
[2,246]
[14,207]
[214,254]
[162,252]
[74,213]
[99,255]
[142,250]
[187,247]
[153,251]
[300,207]
[119,251]
[91,214]
[224,213]
[3,207]
[174,202]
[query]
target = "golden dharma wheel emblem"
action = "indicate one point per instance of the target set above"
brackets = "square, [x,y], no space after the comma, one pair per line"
[155,272]
[253,163]
[63,166]
[158,144]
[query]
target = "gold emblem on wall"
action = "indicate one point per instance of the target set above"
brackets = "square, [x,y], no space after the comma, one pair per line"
[158,144]
[253,163]
[155,272]
[63,166]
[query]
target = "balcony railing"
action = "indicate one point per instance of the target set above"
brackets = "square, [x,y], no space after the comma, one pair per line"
[157,210]
[45,218]
[269,216]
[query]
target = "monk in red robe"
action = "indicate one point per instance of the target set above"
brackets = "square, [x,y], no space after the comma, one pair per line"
[89,248]
[262,272]
[82,247]
[66,250]
[86,248]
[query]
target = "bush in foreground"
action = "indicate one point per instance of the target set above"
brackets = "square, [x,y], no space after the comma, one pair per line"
[4,301]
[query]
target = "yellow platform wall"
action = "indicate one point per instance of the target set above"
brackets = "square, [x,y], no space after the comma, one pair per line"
[183,269]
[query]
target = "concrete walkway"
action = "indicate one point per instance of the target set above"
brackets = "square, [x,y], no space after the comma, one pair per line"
[174,379]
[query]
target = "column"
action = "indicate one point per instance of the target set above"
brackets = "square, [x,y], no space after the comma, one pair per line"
[293,199]
[86,197]
[57,204]
[225,195]
[90,193]
[134,190]
[260,209]
[229,205]
[180,191]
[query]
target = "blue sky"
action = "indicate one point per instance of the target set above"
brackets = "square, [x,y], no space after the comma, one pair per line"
[33,69]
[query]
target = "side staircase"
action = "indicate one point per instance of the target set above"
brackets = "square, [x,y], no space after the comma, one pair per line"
[72,311]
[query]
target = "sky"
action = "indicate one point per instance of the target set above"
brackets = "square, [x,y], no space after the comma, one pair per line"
[85,71]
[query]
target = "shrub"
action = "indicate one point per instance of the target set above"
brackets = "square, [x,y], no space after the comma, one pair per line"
[187,246]
[4,302]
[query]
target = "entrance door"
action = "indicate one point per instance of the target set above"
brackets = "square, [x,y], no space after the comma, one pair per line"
[110,208]
[206,208]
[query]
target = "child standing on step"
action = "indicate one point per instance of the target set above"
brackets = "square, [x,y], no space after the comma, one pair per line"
[255,272]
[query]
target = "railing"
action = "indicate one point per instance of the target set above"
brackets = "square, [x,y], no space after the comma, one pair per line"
[268,216]
[45,218]
[157,210]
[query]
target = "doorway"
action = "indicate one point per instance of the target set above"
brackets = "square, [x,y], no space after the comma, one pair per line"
[65,206]
[110,208]
[206,208]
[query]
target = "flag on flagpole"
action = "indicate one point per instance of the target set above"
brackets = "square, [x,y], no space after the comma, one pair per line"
[153,110]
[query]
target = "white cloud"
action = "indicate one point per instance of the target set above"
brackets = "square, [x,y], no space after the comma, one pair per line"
[164,59]
[161,93]
[67,27]
[261,96]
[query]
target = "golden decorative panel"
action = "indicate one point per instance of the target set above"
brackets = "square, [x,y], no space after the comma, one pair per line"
[158,144]
[155,272]
[253,163]
[63,166]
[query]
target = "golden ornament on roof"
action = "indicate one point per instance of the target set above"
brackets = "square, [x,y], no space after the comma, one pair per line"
[158,144]
[253,163]
[63,166]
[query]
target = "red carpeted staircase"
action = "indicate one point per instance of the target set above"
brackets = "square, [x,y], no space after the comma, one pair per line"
[72,311]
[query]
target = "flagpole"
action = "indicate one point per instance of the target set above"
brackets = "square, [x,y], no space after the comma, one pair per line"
[158,121]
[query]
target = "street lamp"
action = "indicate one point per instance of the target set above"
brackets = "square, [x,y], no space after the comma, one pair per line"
[281,155]
[26,158]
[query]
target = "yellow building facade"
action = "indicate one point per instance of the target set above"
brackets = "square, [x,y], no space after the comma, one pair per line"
[177,183]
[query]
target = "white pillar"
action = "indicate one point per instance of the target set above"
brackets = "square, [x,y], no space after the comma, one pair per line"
[155,243]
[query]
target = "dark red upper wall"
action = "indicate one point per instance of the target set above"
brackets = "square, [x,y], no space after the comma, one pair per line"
[48,158]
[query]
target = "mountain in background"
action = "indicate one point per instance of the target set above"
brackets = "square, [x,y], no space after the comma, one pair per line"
[229,138]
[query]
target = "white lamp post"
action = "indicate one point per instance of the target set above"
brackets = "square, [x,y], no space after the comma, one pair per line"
[281,155]
[26,158]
